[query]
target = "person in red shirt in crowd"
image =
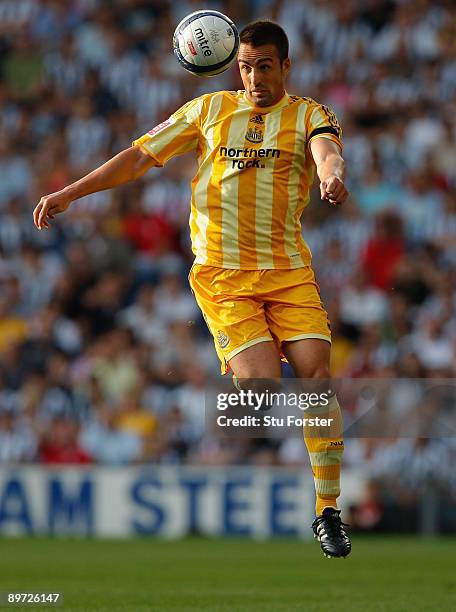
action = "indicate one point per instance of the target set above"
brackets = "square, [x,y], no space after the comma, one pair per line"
[149,233]
[60,444]
[384,250]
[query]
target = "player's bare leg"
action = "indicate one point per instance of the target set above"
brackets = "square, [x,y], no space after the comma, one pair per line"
[261,360]
[257,368]
[310,359]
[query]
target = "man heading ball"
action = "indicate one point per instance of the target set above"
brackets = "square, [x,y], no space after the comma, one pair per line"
[252,277]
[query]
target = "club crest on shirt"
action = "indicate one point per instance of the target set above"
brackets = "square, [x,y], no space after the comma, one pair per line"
[222,339]
[254,135]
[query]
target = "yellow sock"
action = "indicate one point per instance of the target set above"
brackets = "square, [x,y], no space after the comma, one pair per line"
[325,446]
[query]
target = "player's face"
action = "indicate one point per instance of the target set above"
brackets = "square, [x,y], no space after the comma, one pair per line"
[262,73]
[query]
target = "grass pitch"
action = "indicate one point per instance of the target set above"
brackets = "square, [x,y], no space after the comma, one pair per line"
[381,574]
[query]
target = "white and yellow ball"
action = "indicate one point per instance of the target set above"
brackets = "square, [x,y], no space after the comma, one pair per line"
[206,43]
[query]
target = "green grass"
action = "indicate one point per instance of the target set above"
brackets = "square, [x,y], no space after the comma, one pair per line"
[382,574]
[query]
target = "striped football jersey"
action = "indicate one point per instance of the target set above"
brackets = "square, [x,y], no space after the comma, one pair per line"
[254,174]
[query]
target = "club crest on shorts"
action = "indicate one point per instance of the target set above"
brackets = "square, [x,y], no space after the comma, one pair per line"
[222,339]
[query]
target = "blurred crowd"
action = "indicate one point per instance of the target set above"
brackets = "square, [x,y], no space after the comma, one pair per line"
[104,356]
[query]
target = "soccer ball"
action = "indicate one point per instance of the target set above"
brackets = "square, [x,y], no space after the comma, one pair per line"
[205,43]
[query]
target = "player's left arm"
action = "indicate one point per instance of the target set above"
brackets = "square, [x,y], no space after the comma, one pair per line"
[330,164]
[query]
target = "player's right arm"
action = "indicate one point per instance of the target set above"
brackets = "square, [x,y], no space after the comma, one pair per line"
[178,134]
[127,166]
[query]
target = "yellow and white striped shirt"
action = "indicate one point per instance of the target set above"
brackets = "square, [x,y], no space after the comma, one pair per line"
[254,173]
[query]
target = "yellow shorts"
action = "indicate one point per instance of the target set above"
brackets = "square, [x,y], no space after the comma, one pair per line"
[245,307]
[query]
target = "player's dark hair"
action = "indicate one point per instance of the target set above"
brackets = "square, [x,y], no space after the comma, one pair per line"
[265,32]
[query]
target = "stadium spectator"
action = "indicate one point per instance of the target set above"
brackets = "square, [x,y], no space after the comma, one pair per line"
[18,442]
[101,438]
[60,444]
[384,250]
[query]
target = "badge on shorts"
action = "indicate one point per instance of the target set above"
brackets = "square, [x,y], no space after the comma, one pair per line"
[222,339]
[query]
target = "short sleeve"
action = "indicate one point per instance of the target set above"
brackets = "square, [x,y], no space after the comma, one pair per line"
[321,122]
[176,135]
